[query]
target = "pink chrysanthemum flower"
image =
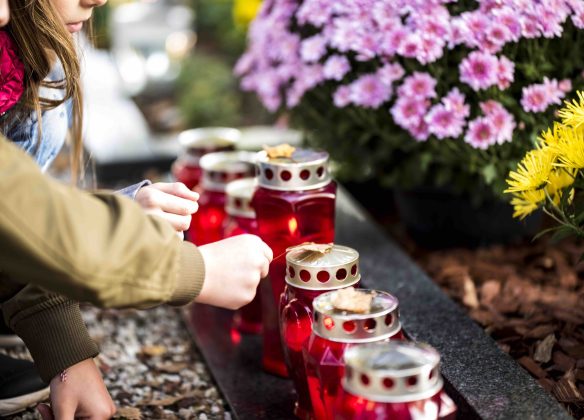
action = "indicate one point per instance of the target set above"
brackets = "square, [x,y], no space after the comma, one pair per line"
[418,85]
[505,72]
[480,134]
[455,101]
[444,122]
[336,67]
[390,73]
[313,48]
[408,112]
[342,96]
[369,92]
[479,70]
[538,97]
[502,121]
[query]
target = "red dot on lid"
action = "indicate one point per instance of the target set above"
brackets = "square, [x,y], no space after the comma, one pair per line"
[412,381]
[320,172]
[305,174]
[341,274]
[354,269]
[369,325]
[286,175]
[269,174]
[291,272]
[349,326]
[388,319]
[364,379]
[323,276]
[304,275]
[388,383]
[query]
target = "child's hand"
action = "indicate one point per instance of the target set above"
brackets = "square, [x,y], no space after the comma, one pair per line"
[82,395]
[233,269]
[172,201]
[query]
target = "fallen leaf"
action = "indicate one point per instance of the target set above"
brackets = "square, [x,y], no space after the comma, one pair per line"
[163,402]
[155,350]
[543,349]
[129,413]
[540,331]
[352,300]
[280,151]
[566,390]
[171,367]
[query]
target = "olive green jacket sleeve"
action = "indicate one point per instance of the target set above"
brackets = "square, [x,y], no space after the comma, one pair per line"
[51,326]
[99,248]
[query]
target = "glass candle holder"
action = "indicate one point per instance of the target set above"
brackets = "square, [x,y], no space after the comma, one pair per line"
[196,143]
[218,170]
[393,381]
[240,220]
[335,331]
[294,203]
[309,274]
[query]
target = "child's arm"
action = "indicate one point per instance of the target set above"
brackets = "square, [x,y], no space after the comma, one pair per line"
[55,334]
[102,248]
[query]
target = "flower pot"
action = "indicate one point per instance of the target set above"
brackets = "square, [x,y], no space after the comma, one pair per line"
[440,218]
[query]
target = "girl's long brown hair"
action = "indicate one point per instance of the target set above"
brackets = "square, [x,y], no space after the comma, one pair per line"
[42,39]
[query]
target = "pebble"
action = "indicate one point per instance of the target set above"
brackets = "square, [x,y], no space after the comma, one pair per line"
[132,378]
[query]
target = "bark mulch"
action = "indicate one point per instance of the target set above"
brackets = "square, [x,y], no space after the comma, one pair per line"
[530,298]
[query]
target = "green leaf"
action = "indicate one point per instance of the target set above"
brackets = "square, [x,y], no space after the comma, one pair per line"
[489,173]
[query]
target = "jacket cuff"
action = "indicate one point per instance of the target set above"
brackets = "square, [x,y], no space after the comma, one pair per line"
[57,338]
[191,275]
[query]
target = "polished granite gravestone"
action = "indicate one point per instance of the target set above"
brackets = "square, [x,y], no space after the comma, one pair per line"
[484,382]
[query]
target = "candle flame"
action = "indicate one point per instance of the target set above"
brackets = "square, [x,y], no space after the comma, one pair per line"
[293,225]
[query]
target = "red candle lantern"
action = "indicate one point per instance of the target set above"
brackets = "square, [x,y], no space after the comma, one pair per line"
[393,381]
[241,219]
[334,331]
[294,203]
[310,271]
[196,143]
[218,170]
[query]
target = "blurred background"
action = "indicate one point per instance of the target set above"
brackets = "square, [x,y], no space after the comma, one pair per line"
[157,68]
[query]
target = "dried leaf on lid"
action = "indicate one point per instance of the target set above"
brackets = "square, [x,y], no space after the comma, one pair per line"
[311,251]
[352,300]
[281,151]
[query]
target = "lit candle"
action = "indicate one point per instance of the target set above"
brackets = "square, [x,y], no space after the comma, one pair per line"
[241,219]
[294,203]
[310,271]
[334,330]
[395,380]
[218,170]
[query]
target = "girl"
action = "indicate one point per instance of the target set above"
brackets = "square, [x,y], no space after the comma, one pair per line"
[47,106]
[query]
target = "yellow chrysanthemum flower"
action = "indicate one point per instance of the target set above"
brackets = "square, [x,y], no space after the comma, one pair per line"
[532,172]
[559,180]
[244,11]
[573,113]
[570,148]
[526,202]
[550,136]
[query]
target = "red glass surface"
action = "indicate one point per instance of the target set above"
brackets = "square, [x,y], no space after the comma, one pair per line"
[248,319]
[295,327]
[324,370]
[285,219]
[207,222]
[187,173]
[352,407]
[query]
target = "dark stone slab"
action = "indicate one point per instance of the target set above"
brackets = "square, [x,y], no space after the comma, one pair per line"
[484,382]
[235,362]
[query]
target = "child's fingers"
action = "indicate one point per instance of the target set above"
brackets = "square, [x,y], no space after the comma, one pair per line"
[45,412]
[178,189]
[179,223]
